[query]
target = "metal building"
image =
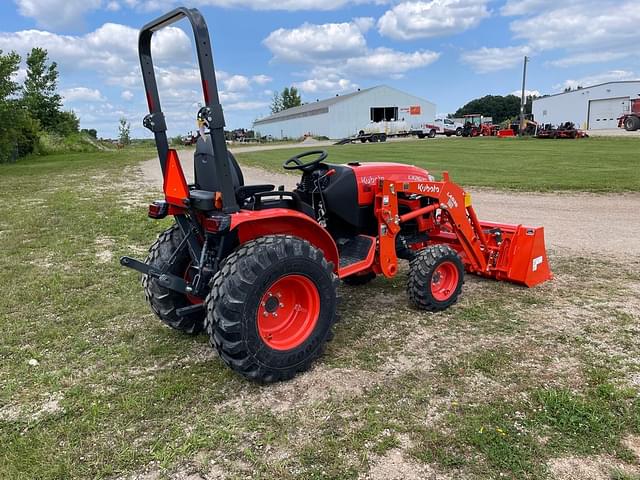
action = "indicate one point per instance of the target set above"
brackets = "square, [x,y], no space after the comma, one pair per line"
[345,115]
[590,108]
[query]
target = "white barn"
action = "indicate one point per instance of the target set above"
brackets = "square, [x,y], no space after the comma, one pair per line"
[590,108]
[345,115]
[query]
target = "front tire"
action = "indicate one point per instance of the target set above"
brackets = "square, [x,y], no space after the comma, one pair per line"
[435,280]
[432,134]
[165,302]
[272,308]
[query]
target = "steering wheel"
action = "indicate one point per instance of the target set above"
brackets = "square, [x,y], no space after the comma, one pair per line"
[294,162]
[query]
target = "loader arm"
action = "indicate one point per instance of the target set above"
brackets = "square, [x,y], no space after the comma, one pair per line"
[502,251]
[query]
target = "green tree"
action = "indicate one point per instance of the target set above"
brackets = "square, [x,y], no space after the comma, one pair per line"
[276,103]
[497,106]
[290,98]
[40,89]
[124,132]
[18,131]
[92,132]
[9,64]
[68,123]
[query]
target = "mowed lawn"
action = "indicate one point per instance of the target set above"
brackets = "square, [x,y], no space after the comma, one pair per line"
[593,164]
[508,383]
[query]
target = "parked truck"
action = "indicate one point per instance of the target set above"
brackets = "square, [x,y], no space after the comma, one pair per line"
[440,126]
[630,120]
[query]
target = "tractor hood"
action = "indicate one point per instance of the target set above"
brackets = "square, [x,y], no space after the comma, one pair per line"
[368,176]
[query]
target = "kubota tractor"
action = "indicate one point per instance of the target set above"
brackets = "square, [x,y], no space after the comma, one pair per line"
[258,267]
[475,126]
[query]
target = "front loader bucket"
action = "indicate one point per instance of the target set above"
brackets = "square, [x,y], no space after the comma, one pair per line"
[522,257]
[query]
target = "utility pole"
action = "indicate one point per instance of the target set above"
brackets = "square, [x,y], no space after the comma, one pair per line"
[523,99]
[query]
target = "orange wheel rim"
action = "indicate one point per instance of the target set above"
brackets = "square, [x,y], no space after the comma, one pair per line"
[288,312]
[444,281]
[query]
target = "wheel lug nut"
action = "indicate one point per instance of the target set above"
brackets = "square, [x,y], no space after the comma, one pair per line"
[265,314]
[274,314]
[281,305]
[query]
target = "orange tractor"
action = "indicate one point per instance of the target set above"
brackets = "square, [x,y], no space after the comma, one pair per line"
[258,268]
[475,126]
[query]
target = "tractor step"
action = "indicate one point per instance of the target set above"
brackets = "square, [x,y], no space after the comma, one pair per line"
[356,254]
[354,250]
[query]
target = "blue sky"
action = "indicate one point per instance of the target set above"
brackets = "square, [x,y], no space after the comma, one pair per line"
[447,51]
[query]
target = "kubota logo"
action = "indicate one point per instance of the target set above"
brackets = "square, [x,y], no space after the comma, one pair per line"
[427,188]
[371,180]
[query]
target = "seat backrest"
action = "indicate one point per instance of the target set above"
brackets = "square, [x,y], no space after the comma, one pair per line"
[206,176]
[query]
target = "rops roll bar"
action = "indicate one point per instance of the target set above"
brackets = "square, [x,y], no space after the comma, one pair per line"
[155,120]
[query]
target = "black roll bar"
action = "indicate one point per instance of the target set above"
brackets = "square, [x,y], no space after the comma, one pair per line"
[155,120]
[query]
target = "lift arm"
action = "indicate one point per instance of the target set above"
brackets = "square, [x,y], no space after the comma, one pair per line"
[501,251]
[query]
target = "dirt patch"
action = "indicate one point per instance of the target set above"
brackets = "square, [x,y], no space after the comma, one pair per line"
[632,442]
[104,253]
[30,413]
[395,466]
[317,385]
[598,467]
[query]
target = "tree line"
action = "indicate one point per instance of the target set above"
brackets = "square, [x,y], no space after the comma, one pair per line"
[499,107]
[29,108]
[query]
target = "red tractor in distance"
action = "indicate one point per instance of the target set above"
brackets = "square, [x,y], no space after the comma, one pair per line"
[475,126]
[258,268]
[630,121]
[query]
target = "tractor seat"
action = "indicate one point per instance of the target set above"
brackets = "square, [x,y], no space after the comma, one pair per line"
[245,192]
[205,201]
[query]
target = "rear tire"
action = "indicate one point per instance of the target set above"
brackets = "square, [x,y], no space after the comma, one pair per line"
[435,280]
[165,302]
[264,277]
[631,124]
[421,135]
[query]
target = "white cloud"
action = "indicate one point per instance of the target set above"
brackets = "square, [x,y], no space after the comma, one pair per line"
[288,5]
[331,82]
[113,6]
[424,19]
[111,49]
[524,7]
[609,76]
[82,94]
[486,60]
[237,83]
[57,14]
[595,26]
[383,62]
[261,79]
[334,53]
[127,95]
[318,43]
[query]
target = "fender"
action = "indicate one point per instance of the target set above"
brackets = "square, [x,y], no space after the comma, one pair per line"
[251,224]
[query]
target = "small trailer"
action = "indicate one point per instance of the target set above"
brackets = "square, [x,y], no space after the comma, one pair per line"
[375,132]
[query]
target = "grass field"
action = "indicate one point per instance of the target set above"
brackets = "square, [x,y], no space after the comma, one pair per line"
[594,164]
[508,383]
